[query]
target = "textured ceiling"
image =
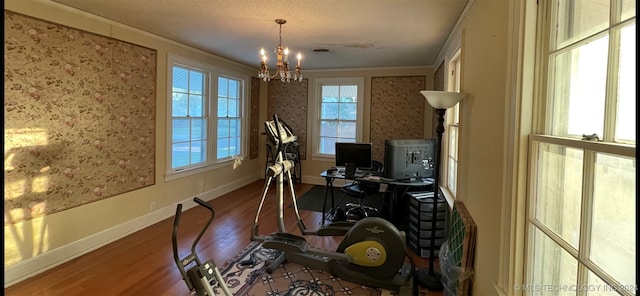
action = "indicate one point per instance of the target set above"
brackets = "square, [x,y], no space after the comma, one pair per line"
[357,33]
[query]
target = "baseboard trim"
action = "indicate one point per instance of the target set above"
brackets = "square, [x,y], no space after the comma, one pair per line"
[34,266]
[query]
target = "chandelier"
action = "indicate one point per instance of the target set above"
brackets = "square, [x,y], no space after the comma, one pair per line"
[282,63]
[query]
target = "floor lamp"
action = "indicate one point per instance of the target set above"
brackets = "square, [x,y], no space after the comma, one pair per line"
[440,101]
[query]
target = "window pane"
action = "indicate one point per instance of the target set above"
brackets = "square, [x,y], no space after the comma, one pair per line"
[196,106]
[233,108]
[580,18]
[348,111]
[327,145]
[349,92]
[626,119]
[179,155]
[234,146]
[597,287]
[179,104]
[328,129]
[330,93]
[452,172]
[233,89]
[558,190]
[347,130]
[198,151]
[579,90]
[223,148]
[613,231]
[453,141]
[180,132]
[196,83]
[198,129]
[234,127]
[223,128]
[551,267]
[452,164]
[223,107]
[223,87]
[180,79]
[329,111]
[628,9]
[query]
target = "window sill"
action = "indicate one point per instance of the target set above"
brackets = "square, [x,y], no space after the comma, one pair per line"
[174,175]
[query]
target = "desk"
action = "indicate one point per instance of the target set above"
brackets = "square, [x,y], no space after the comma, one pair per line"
[396,188]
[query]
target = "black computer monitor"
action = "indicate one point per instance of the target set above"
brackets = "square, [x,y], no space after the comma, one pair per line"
[410,158]
[356,154]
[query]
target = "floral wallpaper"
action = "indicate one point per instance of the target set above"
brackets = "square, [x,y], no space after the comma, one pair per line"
[254,112]
[79,117]
[289,101]
[438,84]
[397,110]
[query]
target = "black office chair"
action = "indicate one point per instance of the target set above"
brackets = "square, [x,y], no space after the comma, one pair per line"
[363,190]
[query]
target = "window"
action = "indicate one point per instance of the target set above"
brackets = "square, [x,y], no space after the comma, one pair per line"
[452,130]
[339,113]
[188,118]
[229,123]
[581,225]
[197,138]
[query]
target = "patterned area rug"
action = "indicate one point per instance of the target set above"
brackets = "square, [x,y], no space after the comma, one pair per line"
[287,279]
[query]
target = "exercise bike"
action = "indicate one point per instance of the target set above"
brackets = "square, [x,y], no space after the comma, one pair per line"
[372,252]
[199,276]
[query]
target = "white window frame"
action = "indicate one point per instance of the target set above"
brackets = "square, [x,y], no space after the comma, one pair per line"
[211,91]
[589,150]
[315,109]
[241,96]
[452,122]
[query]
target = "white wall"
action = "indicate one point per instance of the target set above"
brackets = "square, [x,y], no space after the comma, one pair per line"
[484,36]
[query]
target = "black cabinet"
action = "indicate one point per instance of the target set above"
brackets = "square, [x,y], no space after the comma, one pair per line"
[422,224]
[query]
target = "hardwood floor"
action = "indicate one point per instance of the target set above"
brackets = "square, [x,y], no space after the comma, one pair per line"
[142,263]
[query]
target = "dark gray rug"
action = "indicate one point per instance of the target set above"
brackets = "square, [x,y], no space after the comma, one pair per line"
[312,199]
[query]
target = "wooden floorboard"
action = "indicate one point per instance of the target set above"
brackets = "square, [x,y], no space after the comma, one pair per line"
[142,263]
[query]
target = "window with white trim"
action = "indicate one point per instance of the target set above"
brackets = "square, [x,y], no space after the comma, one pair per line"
[339,103]
[229,120]
[188,117]
[582,191]
[204,129]
[452,130]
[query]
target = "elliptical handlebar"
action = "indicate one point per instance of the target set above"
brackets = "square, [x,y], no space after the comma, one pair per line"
[276,122]
[204,228]
[182,263]
[204,204]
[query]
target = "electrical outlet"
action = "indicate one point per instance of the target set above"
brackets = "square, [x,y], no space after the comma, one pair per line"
[152,206]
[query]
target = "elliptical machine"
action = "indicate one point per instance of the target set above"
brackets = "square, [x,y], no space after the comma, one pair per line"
[200,277]
[372,252]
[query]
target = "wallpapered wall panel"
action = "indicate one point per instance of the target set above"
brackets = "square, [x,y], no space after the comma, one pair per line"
[254,112]
[289,101]
[397,110]
[438,84]
[79,117]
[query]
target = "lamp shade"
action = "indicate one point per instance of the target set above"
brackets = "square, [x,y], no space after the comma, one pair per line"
[442,99]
